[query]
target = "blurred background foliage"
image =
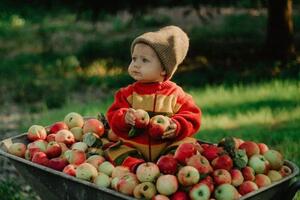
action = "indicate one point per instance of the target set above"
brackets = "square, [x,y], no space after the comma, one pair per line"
[50,49]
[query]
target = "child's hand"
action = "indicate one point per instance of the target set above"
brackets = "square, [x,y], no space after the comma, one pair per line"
[171,131]
[129,117]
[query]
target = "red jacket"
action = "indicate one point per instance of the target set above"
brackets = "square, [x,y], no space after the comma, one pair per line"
[156,98]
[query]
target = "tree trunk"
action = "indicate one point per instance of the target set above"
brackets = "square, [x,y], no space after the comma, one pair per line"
[280,44]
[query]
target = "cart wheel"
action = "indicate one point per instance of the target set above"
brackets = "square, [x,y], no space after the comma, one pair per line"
[292,190]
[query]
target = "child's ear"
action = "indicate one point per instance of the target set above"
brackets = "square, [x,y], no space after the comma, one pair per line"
[163,73]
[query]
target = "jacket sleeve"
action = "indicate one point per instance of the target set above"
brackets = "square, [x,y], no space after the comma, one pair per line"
[188,118]
[116,113]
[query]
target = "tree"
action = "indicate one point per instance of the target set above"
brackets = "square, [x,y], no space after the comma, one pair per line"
[280,41]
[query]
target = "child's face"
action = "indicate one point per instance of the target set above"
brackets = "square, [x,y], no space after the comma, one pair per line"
[145,65]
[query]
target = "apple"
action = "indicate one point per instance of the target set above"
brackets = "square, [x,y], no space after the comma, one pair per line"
[259,164]
[167,164]
[142,118]
[102,180]
[221,176]
[275,159]
[65,136]
[77,132]
[274,176]
[250,147]
[119,171]
[211,152]
[167,184]
[236,177]
[145,190]
[160,197]
[238,142]
[262,180]
[95,160]
[199,191]
[179,195]
[94,151]
[92,140]
[57,163]
[53,149]
[64,147]
[93,126]
[74,119]
[80,146]
[37,146]
[17,149]
[57,126]
[222,162]
[158,125]
[147,172]
[226,192]
[50,137]
[70,169]
[127,183]
[285,171]
[248,173]
[40,158]
[86,171]
[208,180]
[188,176]
[75,157]
[247,187]
[263,148]
[106,168]
[200,163]
[184,151]
[36,132]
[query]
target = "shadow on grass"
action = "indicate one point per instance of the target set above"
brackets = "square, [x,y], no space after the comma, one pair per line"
[232,110]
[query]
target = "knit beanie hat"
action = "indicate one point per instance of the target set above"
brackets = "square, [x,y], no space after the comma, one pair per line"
[170,44]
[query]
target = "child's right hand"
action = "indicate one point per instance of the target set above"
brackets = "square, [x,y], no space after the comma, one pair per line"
[129,117]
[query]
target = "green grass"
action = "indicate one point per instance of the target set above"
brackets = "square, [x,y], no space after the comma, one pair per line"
[264,112]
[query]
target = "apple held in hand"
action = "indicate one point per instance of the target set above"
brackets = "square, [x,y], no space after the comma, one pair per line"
[141,122]
[158,125]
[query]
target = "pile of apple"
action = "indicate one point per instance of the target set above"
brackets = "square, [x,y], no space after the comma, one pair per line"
[200,171]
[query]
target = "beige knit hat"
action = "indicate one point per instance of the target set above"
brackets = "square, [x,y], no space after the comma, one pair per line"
[170,44]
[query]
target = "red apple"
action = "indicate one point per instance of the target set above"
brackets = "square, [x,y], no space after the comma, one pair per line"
[167,164]
[57,163]
[250,147]
[200,163]
[127,183]
[50,137]
[199,191]
[222,162]
[160,197]
[53,149]
[221,176]
[158,125]
[236,177]
[75,156]
[179,195]
[208,180]
[65,136]
[262,180]
[247,187]
[95,160]
[248,173]
[70,170]
[94,126]
[184,151]
[263,148]
[40,158]
[36,132]
[211,152]
[57,126]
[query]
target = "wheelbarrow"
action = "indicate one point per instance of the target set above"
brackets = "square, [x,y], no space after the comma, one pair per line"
[54,185]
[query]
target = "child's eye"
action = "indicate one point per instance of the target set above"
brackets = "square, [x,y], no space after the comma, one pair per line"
[145,60]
